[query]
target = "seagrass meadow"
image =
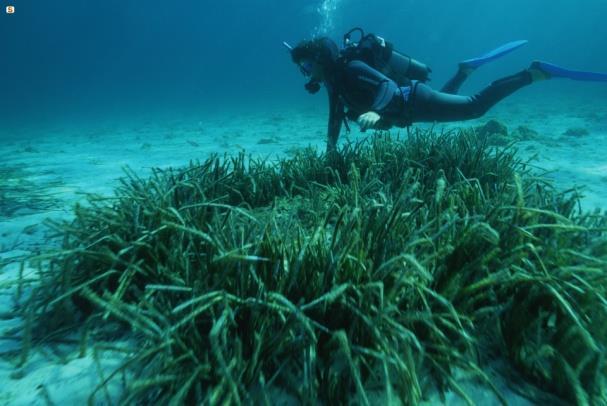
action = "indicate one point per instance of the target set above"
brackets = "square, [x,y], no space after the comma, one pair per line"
[391,267]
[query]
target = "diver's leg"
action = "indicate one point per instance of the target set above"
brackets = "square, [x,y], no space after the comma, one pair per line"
[430,105]
[427,104]
[452,86]
[469,65]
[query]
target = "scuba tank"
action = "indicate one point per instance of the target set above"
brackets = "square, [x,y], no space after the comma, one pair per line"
[381,55]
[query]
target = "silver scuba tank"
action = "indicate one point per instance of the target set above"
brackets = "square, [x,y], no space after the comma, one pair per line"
[381,55]
[401,68]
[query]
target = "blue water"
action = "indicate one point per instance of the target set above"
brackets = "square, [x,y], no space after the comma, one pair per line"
[67,59]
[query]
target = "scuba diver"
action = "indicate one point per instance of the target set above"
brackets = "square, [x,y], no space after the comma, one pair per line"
[378,87]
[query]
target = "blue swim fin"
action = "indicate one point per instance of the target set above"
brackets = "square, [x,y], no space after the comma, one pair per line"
[554,71]
[492,55]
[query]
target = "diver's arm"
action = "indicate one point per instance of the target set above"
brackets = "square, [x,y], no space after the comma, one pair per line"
[368,120]
[378,118]
[336,117]
[387,105]
[386,101]
[373,120]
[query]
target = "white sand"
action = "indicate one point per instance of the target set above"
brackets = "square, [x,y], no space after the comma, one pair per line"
[66,162]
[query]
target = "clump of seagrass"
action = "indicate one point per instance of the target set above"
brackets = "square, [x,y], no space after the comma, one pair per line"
[384,268]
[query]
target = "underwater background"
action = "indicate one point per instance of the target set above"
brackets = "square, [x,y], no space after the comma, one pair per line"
[154,134]
[75,60]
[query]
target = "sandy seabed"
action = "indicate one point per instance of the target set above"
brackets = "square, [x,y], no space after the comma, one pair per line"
[50,169]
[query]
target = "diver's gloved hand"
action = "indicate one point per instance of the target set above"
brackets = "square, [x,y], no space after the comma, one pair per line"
[368,120]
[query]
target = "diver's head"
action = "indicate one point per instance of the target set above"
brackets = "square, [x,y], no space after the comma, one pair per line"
[315,58]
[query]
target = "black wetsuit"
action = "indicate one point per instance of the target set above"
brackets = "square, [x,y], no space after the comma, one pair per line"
[360,88]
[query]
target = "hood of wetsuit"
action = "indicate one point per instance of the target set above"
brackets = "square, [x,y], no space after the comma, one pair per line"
[321,50]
